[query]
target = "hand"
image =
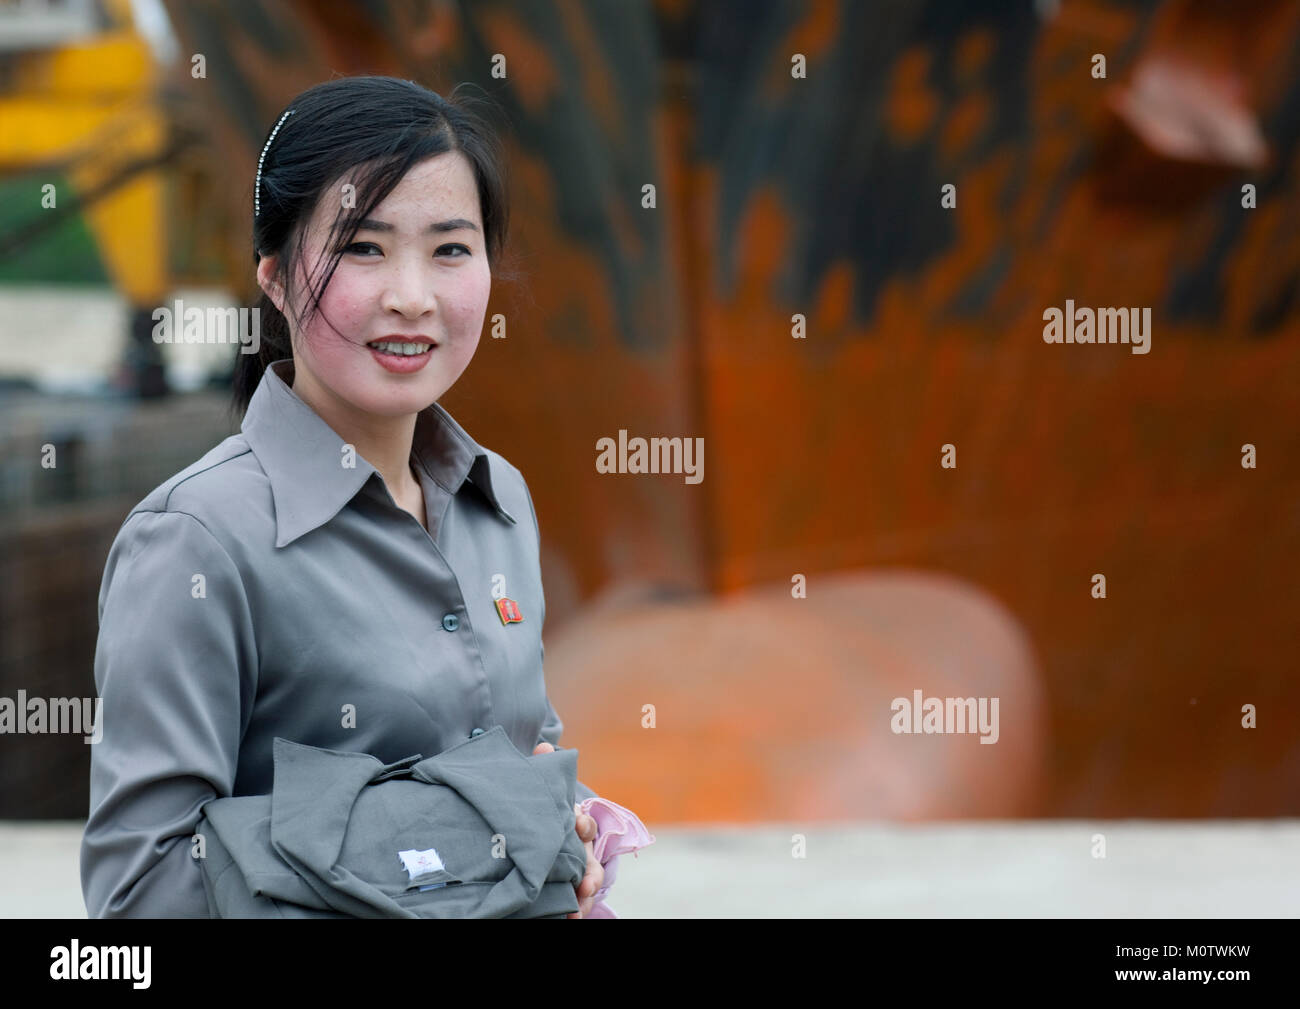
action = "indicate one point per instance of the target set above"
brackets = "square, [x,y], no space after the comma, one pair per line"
[586,828]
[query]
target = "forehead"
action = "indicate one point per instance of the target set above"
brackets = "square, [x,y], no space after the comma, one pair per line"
[435,189]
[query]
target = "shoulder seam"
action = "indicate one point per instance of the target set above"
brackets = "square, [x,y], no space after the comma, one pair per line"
[188,515]
[220,462]
[532,509]
[509,465]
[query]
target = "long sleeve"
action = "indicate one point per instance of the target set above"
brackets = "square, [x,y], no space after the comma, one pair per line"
[175,668]
[618,830]
[552,728]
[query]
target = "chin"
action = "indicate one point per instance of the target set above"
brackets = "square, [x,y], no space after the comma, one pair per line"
[395,398]
[397,405]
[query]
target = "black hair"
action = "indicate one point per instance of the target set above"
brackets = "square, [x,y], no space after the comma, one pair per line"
[382,126]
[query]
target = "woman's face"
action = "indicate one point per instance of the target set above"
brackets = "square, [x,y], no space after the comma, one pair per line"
[400,279]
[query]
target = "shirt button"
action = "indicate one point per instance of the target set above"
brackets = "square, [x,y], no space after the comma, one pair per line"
[476,732]
[450,622]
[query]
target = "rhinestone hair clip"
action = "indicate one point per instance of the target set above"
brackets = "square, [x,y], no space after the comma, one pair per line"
[257,187]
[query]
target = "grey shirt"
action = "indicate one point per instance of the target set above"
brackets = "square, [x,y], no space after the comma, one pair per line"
[476,831]
[271,589]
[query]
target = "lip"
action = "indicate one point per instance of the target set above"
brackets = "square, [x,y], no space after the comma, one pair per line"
[400,338]
[403,365]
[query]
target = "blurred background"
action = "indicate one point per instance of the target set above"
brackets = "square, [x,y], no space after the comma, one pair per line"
[828,562]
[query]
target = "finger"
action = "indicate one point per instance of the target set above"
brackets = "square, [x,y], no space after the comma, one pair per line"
[584,904]
[593,879]
[543,747]
[588,901]
[585,826]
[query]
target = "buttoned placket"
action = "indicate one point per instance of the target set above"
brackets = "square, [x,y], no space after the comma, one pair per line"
[451,622]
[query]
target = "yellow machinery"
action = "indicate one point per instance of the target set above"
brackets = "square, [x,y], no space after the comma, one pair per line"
[81,98]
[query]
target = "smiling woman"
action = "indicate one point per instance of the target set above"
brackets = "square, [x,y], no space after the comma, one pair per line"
[398,294]
[337,574]
[382,213]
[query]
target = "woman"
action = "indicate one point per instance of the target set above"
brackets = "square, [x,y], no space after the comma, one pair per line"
[351,571]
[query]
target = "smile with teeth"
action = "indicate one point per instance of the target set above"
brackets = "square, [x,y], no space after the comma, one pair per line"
[401,349]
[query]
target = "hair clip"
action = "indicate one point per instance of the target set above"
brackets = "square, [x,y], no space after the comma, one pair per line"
[257,186]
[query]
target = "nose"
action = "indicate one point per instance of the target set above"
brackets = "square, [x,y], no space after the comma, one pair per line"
[408,290]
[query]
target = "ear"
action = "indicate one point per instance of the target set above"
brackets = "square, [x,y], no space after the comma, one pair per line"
[266,280]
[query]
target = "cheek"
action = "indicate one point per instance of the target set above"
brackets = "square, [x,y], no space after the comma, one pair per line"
[347,300]
[468,305]
[344,304]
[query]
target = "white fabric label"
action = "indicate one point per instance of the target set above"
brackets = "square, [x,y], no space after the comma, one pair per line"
[420,863]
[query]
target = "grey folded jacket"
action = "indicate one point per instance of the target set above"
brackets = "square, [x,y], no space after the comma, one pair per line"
[477,831]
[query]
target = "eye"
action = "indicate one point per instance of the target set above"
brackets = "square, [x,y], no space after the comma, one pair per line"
[467,252]
[361,245]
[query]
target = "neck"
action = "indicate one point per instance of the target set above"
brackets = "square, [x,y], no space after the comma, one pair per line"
[384,442]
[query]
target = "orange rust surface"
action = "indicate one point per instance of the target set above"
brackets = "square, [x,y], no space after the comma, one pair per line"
[822,455]
[911,106]
[781,708]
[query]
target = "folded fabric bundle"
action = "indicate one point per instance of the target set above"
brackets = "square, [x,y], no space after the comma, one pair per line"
[619,831]
[477,831]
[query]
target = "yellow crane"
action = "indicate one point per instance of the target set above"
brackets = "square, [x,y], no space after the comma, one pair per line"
[80,98]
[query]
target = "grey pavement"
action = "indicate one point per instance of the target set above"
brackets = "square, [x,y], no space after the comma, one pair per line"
[959,869]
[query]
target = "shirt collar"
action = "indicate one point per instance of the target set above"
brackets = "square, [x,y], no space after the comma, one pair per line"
[302,456]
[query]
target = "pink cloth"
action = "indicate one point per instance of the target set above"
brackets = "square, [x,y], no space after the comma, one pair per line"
[618,831]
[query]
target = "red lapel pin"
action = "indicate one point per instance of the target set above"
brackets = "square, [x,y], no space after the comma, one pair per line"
[508,610]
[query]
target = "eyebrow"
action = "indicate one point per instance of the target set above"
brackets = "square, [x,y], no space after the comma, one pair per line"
[455,224]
